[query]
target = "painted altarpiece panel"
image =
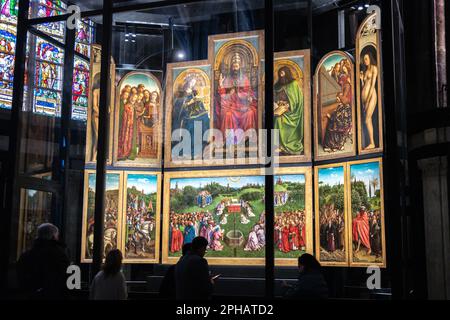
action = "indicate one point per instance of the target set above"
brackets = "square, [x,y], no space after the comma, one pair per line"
[188,107]
[93,106]
[113,207]
[331,223]
[334,107]
[293,229]
[141,217]
[366,213]
[369,87]
[138,121]
[237,93]
[292,105]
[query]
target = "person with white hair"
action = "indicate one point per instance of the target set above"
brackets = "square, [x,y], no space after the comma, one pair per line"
[42,269]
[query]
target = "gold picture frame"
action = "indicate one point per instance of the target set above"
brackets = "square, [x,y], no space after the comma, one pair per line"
[157,224]
[344,214]
[166,259]
[323,115]
[368,44]
[250,46]
[379,162]
[291,59]
[139,162]
[118,227]
[94,74]
[307,172]
[203,69]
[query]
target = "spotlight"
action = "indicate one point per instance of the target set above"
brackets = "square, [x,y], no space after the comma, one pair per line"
[360,8]
[181,55]
[366,5]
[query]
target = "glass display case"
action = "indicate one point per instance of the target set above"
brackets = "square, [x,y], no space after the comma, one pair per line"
[259,125]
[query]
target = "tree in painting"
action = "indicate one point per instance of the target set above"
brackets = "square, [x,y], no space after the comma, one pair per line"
[111,214]
[332,214]
[227,211]
[140,233]
[290,216]
[366,212]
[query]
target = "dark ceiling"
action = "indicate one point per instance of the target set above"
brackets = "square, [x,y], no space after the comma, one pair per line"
[318,5]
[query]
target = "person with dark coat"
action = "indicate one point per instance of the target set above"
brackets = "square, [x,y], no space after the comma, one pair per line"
[167,288]
[192,278]
[311,284]
[42,269]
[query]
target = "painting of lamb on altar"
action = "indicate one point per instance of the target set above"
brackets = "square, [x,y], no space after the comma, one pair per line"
[225,207]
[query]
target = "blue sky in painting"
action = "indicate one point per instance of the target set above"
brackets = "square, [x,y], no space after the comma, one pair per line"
[112,181]
[235,182]
[365,172]
[332,176]
[145,182]
[296,178]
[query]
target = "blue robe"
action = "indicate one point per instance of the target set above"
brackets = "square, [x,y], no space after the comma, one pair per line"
[189,234]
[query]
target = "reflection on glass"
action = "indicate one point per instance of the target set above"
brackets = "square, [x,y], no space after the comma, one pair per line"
[35,209]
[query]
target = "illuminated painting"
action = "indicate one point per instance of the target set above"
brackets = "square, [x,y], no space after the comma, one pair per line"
[188,106]
[293,231]
[237,89]
[331,215]
[292,105]
[137,136]
[367,213]
[334,107]
[141,217]
[225,207]
[113,205]
[93,108]
[369,87]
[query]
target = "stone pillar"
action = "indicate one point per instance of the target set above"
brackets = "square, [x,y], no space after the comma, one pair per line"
[436,224]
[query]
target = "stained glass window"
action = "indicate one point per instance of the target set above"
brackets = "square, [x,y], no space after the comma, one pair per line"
[84,36]
[46,8]
[48,78]
[49,58]
[80,89]
[8,22]
[8,11]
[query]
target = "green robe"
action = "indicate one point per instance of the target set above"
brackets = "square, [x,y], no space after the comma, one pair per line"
[290,123]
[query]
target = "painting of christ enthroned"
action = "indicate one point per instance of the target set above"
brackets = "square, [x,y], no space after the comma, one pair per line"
[237,92]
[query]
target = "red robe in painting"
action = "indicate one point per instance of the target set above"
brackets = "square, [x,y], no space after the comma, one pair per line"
[293,230]
[285,246]
[126,132]
[301,240]
[360,229]
[176,241]
[237,105]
